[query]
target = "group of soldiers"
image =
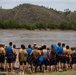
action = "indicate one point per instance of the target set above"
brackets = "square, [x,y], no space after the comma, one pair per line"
[57,57]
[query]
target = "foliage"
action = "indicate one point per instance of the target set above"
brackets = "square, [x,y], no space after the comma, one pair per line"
[12,24]
[68,26]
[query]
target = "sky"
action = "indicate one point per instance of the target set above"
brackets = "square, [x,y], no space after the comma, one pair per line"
[59,5]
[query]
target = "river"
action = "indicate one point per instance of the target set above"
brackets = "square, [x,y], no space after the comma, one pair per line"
[26,37]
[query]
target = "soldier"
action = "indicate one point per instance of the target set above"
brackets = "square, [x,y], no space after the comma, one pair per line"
[2,56]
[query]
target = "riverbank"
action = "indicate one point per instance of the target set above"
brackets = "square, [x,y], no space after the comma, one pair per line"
[69,72]
[55,30]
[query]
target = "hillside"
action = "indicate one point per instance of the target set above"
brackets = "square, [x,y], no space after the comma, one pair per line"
[34,13]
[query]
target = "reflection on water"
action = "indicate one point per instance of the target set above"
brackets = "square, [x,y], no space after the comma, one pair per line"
[19,37]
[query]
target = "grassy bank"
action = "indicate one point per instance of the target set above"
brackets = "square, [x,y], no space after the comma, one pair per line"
[11,24]
[57,73]
[70,72]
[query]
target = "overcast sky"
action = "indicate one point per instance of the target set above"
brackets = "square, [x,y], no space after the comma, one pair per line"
[55,4]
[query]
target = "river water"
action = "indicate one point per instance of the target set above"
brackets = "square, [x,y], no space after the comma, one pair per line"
[26,37]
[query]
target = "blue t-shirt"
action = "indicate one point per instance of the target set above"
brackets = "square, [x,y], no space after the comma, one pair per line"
[41,58]
[9,50]
[54,48]
[29,50]
[60,49]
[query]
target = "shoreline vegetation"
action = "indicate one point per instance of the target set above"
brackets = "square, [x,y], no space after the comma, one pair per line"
[12,24]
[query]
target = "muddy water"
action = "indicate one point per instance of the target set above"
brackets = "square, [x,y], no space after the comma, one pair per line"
[26,37]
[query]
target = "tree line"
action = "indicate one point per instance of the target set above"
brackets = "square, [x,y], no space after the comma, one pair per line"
[12,24]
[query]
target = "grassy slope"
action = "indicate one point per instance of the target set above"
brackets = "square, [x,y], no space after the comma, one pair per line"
[55,73]
[70,72]
[58,73]
[34,13]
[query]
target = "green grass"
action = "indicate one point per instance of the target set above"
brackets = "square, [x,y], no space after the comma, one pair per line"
[57,73]
[70,72]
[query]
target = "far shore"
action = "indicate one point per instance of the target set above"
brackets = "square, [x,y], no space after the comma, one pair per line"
[55,30]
